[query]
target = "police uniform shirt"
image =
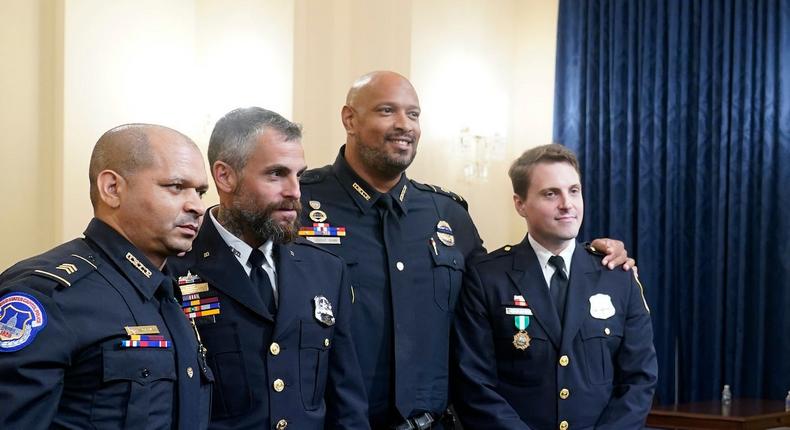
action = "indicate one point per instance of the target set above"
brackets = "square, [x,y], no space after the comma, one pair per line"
[406,264]
[68,367]
[242,251]
[544,254]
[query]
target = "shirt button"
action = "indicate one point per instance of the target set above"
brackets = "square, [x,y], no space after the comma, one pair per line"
[607,331]
[282,424]
[274,348]
[564,393]
[145,373]
[564,360]
[400,266]
[564,425]
[278,385]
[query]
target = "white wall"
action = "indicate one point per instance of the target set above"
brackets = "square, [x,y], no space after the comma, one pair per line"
[74,68]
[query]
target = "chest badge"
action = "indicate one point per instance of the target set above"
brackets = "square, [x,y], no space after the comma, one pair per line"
[316,215]
[521,339]
[445,233]
[601,306]
[323,311]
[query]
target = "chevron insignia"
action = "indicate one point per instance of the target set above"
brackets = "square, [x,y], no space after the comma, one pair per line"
[68,268]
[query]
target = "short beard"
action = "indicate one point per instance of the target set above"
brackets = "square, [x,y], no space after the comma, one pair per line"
[382,162]
[243,216]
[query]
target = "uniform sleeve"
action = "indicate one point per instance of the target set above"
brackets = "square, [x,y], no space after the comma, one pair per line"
[31,377]
[636,369]
[474,370]
[346,401]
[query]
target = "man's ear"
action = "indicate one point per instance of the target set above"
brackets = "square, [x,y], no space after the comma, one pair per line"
[520,204]
[347,116]
[225,177]
[110,186]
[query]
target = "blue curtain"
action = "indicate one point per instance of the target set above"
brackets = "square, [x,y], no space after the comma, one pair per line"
[680,114]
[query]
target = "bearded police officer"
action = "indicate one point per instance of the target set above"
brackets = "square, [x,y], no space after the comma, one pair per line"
[274,312]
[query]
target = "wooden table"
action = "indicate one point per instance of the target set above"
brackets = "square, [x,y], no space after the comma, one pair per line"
[742,414]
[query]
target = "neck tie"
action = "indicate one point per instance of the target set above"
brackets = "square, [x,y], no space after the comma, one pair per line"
[558,287]
[260,278]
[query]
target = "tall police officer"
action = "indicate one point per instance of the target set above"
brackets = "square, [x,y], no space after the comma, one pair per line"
[274,314]
[90,334]
[544,338]
[406,245]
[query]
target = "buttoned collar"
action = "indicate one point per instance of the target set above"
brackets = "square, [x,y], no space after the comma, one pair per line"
[129,260]
[239,248]
[364,195]
[544,254]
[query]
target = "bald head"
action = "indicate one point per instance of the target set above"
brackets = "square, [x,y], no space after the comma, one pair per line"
[374,81]
[127,149]
[382,121]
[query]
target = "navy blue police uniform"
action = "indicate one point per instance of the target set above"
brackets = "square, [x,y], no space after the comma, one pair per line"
[596,370]
[69,320]
[406,251]
[294,369]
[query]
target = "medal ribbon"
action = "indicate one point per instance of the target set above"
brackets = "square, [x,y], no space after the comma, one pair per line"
[522,321]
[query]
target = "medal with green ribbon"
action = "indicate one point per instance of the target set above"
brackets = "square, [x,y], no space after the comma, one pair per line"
[521,338]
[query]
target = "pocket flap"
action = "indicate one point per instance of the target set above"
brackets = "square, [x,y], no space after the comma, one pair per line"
[314,336]
[141,365]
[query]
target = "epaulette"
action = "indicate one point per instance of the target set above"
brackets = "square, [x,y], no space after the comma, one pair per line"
[314,176]
[505,250]
[591,249]
[67,271]
[439,190]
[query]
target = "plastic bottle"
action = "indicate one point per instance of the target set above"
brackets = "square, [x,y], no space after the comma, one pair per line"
[787,402]
[726,395]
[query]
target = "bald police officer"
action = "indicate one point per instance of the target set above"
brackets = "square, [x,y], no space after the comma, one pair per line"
[90,333]
[406,245]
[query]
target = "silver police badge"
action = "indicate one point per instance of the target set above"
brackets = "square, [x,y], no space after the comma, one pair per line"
[323,311]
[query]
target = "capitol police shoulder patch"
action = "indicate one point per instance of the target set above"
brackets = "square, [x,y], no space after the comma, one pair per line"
[21,318]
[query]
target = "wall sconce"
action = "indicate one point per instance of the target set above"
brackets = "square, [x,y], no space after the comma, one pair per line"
[477,150]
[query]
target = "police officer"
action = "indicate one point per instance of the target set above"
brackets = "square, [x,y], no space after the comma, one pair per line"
[406,245]
[544,338]
[274,313]
[90,333]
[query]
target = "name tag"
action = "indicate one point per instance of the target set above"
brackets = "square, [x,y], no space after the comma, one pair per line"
[518,311]
[141,329]
[323,240]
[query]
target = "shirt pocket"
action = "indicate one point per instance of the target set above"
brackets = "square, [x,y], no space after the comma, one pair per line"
[136,383]
[601,339]
[448,271]
[315,343]
[232,394]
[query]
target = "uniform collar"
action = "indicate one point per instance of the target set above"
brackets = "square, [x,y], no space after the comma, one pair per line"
[129,260]
[364,195]
[544,254]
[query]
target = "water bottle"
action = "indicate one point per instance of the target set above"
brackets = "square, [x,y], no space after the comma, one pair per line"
[726,395]
[787,402]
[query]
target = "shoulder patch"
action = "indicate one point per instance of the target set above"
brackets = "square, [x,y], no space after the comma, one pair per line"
[70,270]
[314,176]
[21,318]
[439,190]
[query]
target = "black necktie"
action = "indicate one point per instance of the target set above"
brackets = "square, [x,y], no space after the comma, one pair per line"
[558,287]
[259,277]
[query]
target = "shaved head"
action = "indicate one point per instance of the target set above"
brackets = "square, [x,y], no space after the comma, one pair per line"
[382,122]
[370,81]
[126,149]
